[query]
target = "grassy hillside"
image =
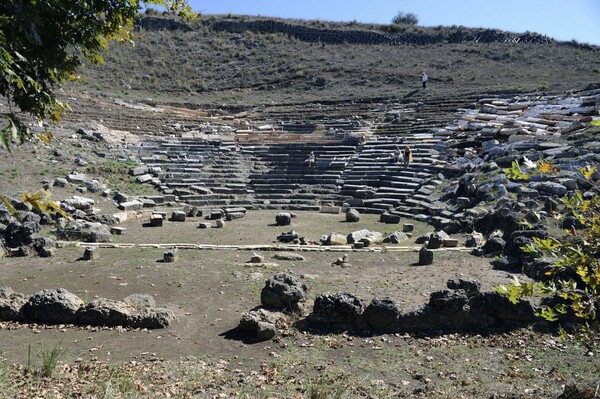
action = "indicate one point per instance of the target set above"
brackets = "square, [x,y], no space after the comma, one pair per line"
[194,63]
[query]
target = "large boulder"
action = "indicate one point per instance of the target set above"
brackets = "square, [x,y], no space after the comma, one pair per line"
[262,324]
[448,302]
[87,232]
[496,309]
[396,237]
[338,310]
[469,286]
[152,318]
[52,307]
[356,236]
[475,239]
[80,203]
[352,215]
[283,291]
[44,246]
[539,269]
[335,239]
[105,312]
[381,313]
[10,304]
[494,246]
[283,219]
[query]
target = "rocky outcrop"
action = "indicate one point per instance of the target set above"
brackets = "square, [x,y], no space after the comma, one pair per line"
[62,307]
[284,292]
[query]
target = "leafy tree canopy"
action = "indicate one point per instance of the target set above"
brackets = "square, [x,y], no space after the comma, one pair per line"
[42,42]
[405,18]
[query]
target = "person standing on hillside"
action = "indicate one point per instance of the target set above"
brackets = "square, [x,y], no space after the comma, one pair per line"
[407,156]
[424,79]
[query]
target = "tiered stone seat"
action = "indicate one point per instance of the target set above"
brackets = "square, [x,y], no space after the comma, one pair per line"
[291,182]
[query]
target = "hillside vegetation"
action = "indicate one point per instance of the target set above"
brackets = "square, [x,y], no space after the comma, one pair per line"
[202,63]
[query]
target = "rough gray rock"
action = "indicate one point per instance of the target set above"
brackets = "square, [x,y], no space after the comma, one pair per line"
[87,232]
[140,301]
[474,239]
[381,313]
[425,257]
[263,324]
[283,219]
[499,308]
[44,246]
[396,237]
[291,256]
[152,318]
[52,307]
[290,236]
[336,239]
[357,236]
[448,301]
[352,215]
[493,246]
[436,240]
[10,304]
[80,203]
[178,216]
[338,310]
[105,312]
[283,291]
[469,286]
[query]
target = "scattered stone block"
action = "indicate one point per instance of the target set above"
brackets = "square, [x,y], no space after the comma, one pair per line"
[235,215]
[60,182]
[257,258]
[156,220]
[284,292]
[283,219]
[219,223]
[330,209]
[90,253]
[140,170]
[425,256]
[120,197]
[336,239]
[162,214]
[119,231]
[358,245]
[203,225]
[450,243]
[290,236]
[76,178]
[352,215]
[144,178]
[357,235]
[170,256]
[389,218]
[216,214]
[131,206]
[396,237]
[178,216]
[236,210]
[147,203]
[342,262]
[120,217]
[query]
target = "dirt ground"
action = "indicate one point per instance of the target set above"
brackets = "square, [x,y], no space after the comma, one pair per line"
[199,356]
[209,289]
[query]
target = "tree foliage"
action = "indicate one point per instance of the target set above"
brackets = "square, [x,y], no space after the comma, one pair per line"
[571,290]
[42,42]
[405,18]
